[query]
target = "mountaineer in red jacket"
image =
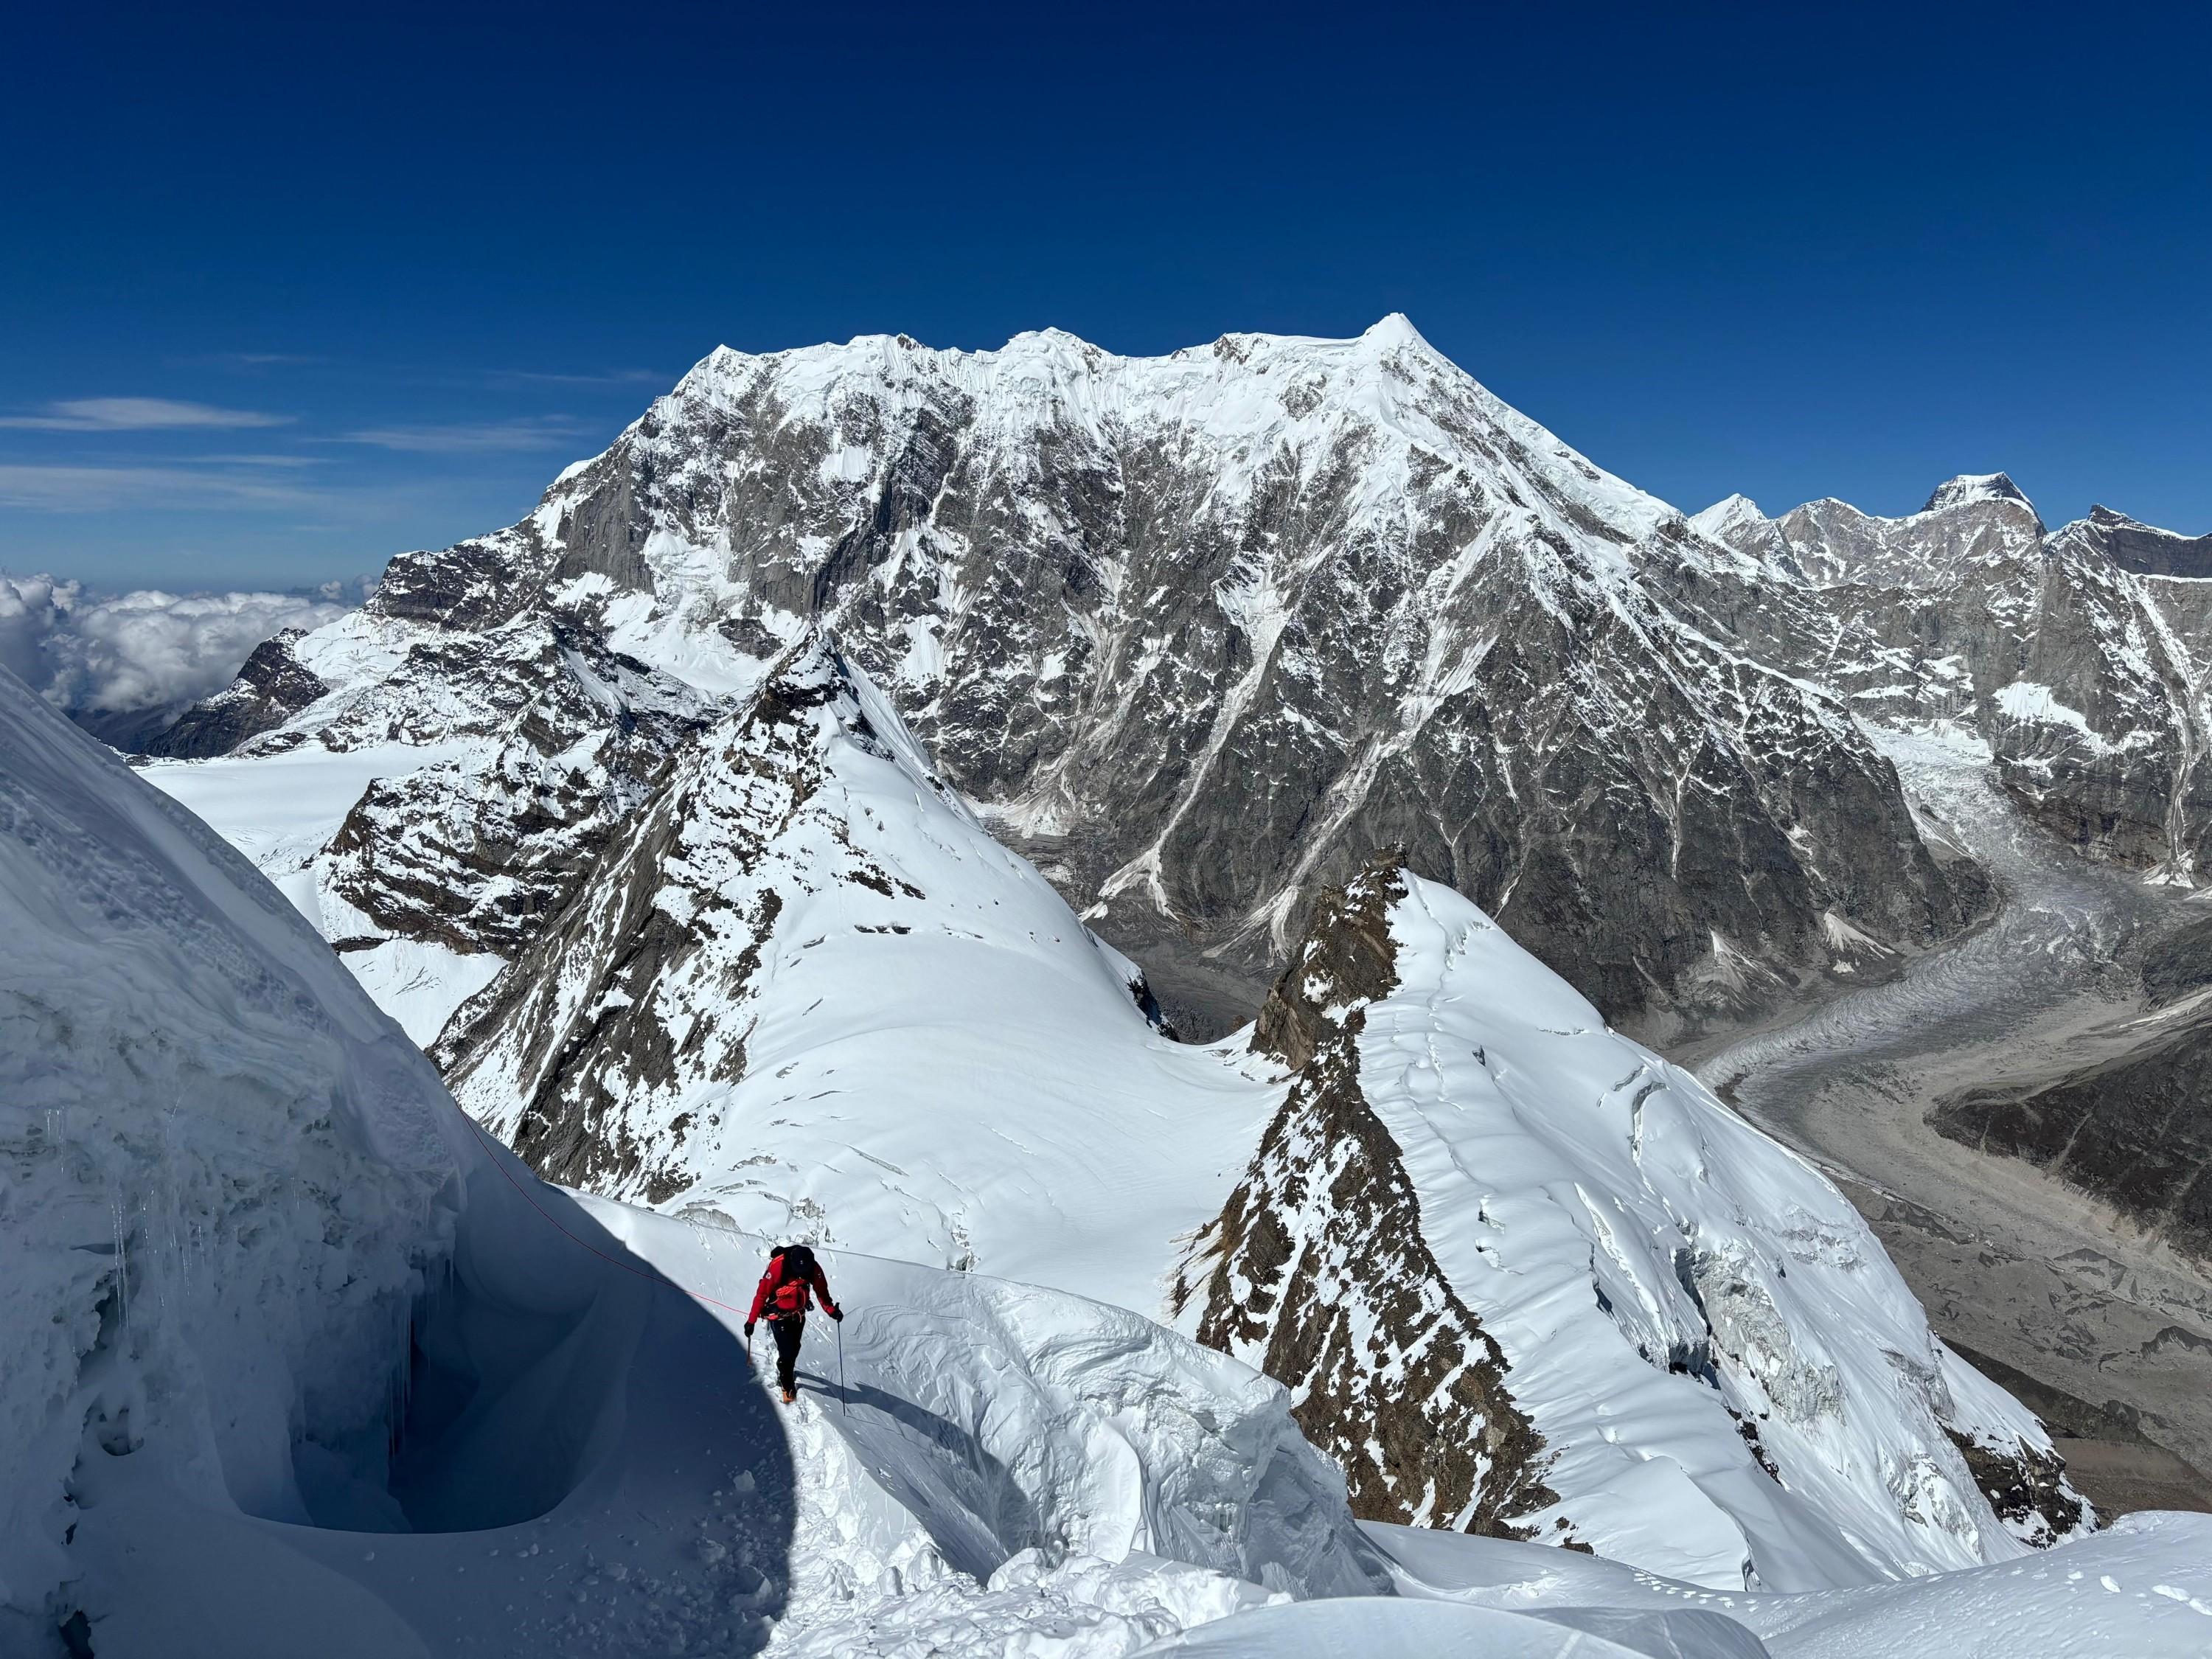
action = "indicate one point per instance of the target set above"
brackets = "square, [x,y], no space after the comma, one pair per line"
[793,1279]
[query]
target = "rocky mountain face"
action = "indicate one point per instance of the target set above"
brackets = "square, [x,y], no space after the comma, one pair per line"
[272,688]
[1194,632]
[2079,655]
[2147,550]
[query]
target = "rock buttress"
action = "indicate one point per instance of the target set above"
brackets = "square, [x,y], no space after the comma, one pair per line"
[1316,1270]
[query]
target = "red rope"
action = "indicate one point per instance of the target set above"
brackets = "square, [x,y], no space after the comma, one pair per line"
[500,1164]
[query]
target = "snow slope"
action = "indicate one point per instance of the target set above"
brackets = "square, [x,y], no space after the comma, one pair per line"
[1000,1454]
[226,1173]
[303,1362]
[1731,1281]
[1007,1471]
[2142,1589]
[295,1362]
[250,1243]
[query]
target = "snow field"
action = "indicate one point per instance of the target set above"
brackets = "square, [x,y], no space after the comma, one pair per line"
[246,1235]
[939,1063]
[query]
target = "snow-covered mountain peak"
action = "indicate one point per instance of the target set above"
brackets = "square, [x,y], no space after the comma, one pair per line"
[1726,514]
[1283,389]
[1190,629]
[1969,488]
[1970,527]
[1396,329]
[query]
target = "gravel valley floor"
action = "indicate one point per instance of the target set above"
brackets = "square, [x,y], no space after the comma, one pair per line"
[2104,1331]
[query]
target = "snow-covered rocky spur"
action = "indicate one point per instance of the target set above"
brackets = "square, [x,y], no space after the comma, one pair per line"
[1528,1277]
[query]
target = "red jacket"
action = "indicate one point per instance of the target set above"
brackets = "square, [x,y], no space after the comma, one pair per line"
[789,1298]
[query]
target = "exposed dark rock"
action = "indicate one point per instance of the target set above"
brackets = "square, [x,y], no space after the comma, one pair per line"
[471,587]
[1317,1272]
[2136,1131]
[580,1023]
[2179,964]
[273,686]
[2142,547]
[2023,1485]
[480,856]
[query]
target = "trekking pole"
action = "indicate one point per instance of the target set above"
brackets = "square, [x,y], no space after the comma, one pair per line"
[844,1401]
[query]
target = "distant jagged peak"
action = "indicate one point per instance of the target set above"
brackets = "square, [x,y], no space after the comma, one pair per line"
[1969,488]
[2133,545]
[2105,518]
[1731,513]
[1391,333]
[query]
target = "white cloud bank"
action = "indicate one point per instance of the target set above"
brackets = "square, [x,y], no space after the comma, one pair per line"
[100,658]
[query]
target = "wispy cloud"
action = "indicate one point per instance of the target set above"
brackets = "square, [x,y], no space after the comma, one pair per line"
[247,360]
[255,460]
[618,377]
[137,414]
[109,489]
[539,432]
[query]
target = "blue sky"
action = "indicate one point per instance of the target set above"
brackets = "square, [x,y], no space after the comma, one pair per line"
[288,291]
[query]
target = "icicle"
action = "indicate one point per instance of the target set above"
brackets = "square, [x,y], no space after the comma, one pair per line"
[122,1272]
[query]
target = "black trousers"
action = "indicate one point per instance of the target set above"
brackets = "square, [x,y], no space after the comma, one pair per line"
[787,1335]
